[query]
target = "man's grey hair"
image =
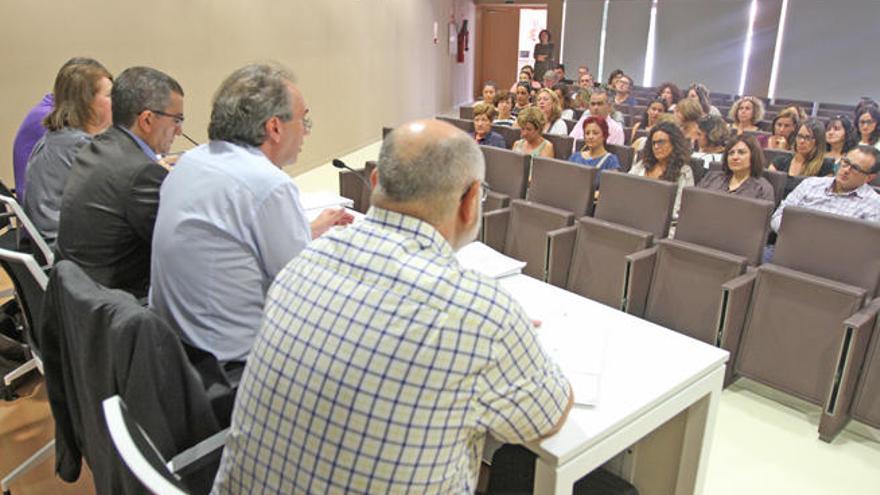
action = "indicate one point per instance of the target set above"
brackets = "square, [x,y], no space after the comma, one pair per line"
[138,89]
[552,75]
[436,173]
[248,98]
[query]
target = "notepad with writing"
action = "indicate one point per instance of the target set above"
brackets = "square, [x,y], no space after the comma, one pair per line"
[480,257]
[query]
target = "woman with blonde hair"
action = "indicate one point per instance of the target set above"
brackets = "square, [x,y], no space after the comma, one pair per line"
[82,110]
[745,114]
[687,114]
[531,121]
[548,103]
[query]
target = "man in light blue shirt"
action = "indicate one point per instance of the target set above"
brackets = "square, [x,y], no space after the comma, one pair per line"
[229,218]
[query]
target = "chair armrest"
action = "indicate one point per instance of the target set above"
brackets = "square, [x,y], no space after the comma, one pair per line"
[199,455]
[735,297]
[639,271]
[495,228]
[857,337]
[496,201]
[561,246]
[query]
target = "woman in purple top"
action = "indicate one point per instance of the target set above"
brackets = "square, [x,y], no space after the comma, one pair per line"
[594,153]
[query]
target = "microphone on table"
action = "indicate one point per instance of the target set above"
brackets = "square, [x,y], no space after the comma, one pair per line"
[193,141]
[341,165]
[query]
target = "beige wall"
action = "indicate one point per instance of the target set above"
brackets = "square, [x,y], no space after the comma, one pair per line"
[361,64]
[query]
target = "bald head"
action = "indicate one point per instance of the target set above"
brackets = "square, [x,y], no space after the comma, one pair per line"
[427,163]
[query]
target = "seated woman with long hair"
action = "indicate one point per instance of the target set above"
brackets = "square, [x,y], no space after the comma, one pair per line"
[742,171]
[563,92]
[547,102]
[700,93]
[653,111]
[82,110]
[687,114]
[666,157]
[745,114]
[840,137]
[594,153]
[522,98]
[869,126]
[670,93]
[784,128]
[531,121]
[808,159]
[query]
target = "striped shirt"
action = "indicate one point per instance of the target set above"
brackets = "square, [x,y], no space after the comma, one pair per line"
[816,193]
[380,366]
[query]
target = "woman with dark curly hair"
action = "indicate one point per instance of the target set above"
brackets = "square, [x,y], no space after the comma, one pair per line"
[742,171]
[700,93]
[653,111]
[667,157]
[669,92]
[869,129]
[840,137]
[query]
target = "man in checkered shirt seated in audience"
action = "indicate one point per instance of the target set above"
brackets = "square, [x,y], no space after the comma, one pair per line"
[848,193]
[382,364]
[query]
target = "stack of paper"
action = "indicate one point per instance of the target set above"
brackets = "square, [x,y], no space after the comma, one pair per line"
[480,257]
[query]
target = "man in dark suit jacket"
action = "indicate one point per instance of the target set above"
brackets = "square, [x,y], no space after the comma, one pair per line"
[112,194]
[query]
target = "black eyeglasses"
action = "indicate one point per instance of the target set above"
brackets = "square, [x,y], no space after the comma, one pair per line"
[847,163]
[178,118]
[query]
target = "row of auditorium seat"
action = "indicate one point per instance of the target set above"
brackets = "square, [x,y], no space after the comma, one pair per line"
[802,324]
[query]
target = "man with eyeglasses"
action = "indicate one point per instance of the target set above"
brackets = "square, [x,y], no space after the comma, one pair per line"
[382,363]
[110,200]
[600,106]
[848,193]
[231,218]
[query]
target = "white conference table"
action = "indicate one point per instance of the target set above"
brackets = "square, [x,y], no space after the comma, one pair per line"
[657,402]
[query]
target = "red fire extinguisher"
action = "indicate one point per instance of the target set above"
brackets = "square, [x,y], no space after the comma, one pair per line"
[463,37]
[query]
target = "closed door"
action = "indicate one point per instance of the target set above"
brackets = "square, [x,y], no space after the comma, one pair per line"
[498,38]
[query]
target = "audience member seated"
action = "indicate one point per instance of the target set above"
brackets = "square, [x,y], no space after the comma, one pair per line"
[549,105]
[504,105]
[700,93]
[484,114]
[582,69]
[534,83]
[869,131]
[667,157]
[796,110]
[560,74]
[742,170]
[651,116]
[669,91]
[549,80]
[581,100]
[398,419]
[112,194]
[623,88]
[712,135]
[687,114]
[784,130]
[808,159]
[848,193]
[840,136]
[230,218]
[594,153]
[745,114]
[32,130]
[489,90]
[531,121]
[585,81]
[600,106]
[563,93]
[613,77]
[82,110]
[522,99]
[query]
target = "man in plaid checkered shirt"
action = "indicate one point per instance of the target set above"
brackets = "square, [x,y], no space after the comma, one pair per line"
[382,364]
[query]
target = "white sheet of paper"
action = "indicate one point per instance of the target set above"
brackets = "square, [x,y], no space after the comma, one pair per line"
[320,200]
[480,257]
